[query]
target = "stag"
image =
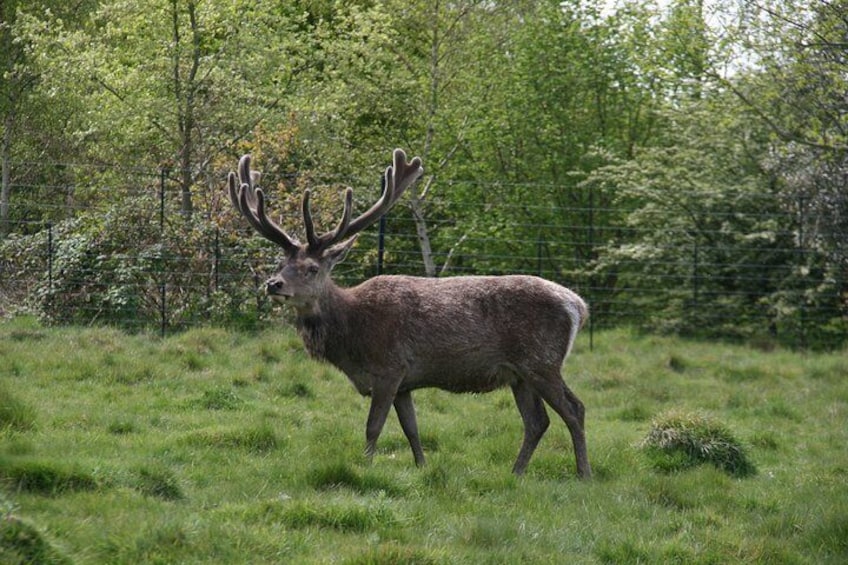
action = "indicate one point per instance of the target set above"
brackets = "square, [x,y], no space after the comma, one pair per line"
[392,335]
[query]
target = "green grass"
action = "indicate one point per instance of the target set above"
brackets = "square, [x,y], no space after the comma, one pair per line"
[222,447]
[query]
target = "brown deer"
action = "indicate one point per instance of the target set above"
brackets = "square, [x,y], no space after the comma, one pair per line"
[392,335]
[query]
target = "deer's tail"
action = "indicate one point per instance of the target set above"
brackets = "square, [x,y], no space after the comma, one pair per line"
[578,310]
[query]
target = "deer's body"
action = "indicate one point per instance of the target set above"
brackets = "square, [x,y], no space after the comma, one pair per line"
[392,335]
[383,330]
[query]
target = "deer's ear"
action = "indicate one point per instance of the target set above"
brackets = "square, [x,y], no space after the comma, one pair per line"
[337,253]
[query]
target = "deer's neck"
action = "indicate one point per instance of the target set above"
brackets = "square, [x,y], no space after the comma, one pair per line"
[323,324]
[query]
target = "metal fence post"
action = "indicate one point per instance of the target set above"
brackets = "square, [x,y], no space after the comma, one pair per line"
[801,265]
[696,289]
[217,258]
[163,312]
[591,257]
[540,242]
[50,258]
[381,244]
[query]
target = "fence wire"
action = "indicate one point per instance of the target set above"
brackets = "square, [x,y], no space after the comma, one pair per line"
[116,249]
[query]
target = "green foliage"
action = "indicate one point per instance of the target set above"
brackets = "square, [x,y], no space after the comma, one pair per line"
[609,148]
[116,266]
[718,236]
[679,440]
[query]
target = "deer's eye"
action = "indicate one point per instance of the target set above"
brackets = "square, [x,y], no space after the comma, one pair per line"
[312,270]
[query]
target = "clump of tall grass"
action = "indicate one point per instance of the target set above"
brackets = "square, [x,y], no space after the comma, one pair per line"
[680,440]
[21,542]
[219,398]
[14,414]
[340,515]
[45,477]
[257,439]
[157,482]
[390,553]
[343,475]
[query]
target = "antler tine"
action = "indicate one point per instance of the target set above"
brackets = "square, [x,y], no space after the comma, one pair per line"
[233,190]
[311,240]
[249,200]
[398,177]
[317,243]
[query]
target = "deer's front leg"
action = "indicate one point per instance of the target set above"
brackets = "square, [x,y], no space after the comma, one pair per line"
[381,402]
[406,414]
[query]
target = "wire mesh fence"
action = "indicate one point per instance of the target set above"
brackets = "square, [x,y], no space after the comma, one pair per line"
[116,247]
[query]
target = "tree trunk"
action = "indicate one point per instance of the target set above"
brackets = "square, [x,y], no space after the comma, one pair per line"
[417,198]
[184,94]
[417,205]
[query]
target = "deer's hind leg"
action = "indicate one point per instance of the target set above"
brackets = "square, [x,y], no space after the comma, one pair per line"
[535,419]
[553,390]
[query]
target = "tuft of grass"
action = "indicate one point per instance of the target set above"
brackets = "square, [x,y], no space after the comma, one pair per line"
[21,542]
[831,532]
[342,515]
[343,475]
[634,413]
[680,440]
[677,364]
[166,542]
[258,439]
[296,389]
[219,398]
[14,414]
[393,553]
[158,482]
[637,551]
[122,427]
[489,532]
[45,477]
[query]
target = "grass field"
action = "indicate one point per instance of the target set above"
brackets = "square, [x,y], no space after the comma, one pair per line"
[220,447]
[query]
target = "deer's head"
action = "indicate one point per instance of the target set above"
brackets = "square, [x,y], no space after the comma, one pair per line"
[304,272]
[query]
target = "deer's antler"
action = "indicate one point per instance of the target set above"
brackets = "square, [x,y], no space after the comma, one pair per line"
[399,176]
[250,201]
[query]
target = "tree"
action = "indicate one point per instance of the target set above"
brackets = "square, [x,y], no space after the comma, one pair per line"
[796,87]
[171,83]
[701,225]
[556,83]
[28,122]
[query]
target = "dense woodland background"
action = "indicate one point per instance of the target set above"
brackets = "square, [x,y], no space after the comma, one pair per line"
[682,164]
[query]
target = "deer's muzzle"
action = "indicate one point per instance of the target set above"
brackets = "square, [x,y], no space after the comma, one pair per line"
[275,287]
